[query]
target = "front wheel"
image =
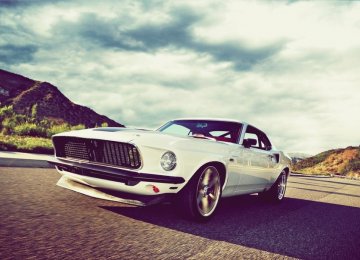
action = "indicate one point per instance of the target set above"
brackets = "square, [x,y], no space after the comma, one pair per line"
[277,192]
[200,197]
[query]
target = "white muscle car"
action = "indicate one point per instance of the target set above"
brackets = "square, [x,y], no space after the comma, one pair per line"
[198,161]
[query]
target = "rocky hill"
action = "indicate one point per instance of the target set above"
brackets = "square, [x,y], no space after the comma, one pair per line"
[345,161]
[25,95]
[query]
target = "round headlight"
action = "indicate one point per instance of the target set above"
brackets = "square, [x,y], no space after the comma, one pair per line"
[168,161]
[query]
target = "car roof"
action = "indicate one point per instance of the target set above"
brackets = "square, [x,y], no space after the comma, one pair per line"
[212,119]
[245,124]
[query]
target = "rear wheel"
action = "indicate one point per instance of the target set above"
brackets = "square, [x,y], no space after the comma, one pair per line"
[200,198]
[277,192]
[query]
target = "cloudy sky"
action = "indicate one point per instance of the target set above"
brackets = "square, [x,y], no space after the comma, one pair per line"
[291,68]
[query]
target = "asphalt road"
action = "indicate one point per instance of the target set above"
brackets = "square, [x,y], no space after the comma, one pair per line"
[320,219]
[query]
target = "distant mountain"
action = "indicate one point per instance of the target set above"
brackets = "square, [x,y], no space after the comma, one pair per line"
[300,155]
[296,157]
[24,93]
[344,161]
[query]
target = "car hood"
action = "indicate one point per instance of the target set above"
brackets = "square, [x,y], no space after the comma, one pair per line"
[140,137]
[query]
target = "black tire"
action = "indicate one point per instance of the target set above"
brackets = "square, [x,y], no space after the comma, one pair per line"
[277,192]
[199,199]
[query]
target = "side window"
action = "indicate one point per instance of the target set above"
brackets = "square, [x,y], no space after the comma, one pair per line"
[265,142]
[262,142]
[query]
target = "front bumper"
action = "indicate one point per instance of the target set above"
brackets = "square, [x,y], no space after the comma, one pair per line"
[129,178]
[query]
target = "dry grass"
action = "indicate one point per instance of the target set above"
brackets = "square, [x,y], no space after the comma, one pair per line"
[340,161]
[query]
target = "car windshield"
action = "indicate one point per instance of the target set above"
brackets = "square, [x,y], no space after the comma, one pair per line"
[219,130]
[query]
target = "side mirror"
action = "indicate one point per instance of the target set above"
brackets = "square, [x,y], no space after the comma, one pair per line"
[247,143]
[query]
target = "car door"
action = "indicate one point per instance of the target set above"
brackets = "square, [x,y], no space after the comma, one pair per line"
[256,163]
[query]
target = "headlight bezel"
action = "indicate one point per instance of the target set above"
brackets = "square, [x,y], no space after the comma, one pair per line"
[168,161]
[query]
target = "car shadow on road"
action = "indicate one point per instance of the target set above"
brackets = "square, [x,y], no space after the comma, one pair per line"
[296,228]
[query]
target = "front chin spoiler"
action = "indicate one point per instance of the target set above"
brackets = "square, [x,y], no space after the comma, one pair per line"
[110,195]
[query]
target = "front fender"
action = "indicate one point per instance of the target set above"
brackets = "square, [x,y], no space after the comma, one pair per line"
[192,162]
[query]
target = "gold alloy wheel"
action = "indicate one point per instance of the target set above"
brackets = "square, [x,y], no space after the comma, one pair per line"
[282,186]
[208,191]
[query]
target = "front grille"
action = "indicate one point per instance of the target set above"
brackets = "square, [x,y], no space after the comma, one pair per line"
[100,151]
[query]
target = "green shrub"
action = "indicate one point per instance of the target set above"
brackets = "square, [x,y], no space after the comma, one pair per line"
[30,129]
[34,111]
[7,125]
[55,129]
[9,119]
[46,123]
[25,144]
[6,111]
[78,127]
